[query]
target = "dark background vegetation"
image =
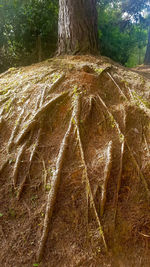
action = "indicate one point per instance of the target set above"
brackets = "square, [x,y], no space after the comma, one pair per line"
[28,31]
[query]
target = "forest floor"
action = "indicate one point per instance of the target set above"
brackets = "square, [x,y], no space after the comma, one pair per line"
[74,164]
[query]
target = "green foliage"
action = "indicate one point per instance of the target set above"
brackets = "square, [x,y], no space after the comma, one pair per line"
[22,23]
[28,30]
[122,40]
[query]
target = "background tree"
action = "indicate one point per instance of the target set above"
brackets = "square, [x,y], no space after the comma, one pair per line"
[135,10]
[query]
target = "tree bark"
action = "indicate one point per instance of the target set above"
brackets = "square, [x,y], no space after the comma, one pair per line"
[147,55]
[77,27]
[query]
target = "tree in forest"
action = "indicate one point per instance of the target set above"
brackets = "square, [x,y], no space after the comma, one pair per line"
[147,55]
[77,32]
[134,8]
[74,157]
[28,31]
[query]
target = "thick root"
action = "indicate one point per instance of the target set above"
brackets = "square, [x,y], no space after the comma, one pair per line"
[56,83]
[89,191]
[106,177]
[146,143]
[17,163]
[53,192]
[118,87]
[21,187]
[119,180]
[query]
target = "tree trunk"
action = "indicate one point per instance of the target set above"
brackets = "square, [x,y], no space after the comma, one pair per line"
[77,27]
[147,55]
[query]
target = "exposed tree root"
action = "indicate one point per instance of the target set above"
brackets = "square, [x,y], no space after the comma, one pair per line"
[10,142]
[33,152]
[106,177]
[146,143]
[53,192]
[22,185]
[42,96]
[119,180]
[35,146]
[120,171]
[4,165]
[56,83]
[119,89]
[17,163]
[36,104]
[90,103]
[139,170]
[122,137]
[89,191]
[35,117]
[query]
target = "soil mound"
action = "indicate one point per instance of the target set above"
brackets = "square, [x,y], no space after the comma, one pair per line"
[74,164]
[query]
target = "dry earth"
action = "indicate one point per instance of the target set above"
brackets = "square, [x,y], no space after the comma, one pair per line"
[74,164]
